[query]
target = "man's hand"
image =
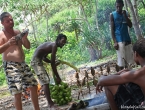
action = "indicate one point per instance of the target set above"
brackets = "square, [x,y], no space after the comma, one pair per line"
[57,62]
[123,71]
[12,41]
[26,31]
[116,46]
[98,88]
[124,12]
[22,35]
[25,36]
[58,80]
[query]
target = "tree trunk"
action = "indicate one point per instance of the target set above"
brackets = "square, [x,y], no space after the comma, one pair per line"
[34,30]
[95,53]
[92,51]
[99,53]
[108,43]
[79,11]
[47,25]
[96,17]
[134,2]
[143,3]
[85,16]
[134,21]
[76,33]
[125,4]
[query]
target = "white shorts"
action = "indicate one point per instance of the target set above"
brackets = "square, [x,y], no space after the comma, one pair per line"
[125,52]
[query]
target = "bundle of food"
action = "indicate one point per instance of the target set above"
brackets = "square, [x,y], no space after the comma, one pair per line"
[61,94]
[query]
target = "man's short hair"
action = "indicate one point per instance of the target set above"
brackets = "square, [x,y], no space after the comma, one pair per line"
[60,36]
[119,1]
[3,15]
[139,47]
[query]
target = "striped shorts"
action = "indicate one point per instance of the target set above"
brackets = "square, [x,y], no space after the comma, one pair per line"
[18,76]
[40,71]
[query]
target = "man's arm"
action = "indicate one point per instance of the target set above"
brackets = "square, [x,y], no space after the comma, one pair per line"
[113,31]
[4,46]
[124,77]
[26,42]
[46,59]
[53,57]
[121,71]
[112,28]
[128,21]
[111,80]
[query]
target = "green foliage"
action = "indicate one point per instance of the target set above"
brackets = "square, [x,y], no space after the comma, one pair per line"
[142,20]
[2,78]
[70,52]
[28,55]
[4,94]
[2,74]
[58,19]
[75,18]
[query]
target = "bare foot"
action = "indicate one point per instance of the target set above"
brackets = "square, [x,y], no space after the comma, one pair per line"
[51,104]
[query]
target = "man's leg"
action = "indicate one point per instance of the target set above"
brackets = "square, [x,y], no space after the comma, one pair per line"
[30,82]
[17,101]
[121,55]
[110,92]
[34,97]
[47,94]
[14,80]
[43,79]
[129,55]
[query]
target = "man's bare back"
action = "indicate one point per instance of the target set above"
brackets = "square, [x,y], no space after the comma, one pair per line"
[140,78]
[44,49]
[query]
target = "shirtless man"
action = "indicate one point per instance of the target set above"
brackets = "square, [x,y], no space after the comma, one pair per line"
[18,74]
[127,88]
[39,56]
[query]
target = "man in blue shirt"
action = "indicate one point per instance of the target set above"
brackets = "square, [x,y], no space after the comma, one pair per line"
[119,29]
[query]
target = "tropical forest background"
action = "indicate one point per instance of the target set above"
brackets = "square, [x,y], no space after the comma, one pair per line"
[84,22]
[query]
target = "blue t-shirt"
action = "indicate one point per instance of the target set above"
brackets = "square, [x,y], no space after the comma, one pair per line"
[121,27]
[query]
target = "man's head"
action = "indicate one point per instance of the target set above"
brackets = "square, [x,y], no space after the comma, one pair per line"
[119,5]
[139,50]
[6,20]
[61,40]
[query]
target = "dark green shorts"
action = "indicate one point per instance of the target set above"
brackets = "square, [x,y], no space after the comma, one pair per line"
[130,96]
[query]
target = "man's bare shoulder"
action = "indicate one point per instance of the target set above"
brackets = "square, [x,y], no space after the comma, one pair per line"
[139,72]
[1,33]
[2,36]
[49,44]
[142,70]
[111,14]
[111,17]
[45,45]
[17,31]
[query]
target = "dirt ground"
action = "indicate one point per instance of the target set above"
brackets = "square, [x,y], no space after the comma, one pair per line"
[7,103]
